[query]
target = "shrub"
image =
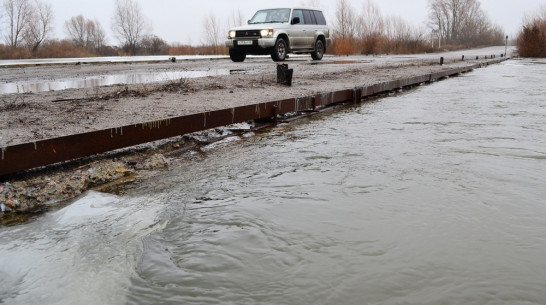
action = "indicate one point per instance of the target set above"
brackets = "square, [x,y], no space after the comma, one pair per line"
[532,39]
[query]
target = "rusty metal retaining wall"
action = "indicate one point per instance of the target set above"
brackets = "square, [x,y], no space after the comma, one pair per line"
[17,158]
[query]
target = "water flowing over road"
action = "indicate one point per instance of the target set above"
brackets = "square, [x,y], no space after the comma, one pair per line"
[431,196]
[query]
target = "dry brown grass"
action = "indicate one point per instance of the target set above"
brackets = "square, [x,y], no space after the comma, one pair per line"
[378,45]
[66,49]
[344,47]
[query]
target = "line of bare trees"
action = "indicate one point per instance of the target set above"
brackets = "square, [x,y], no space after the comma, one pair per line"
[463,22]
[531,41]
[368,31]
[26,27]
[26,22]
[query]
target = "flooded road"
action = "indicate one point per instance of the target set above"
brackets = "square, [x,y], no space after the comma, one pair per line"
[432,196]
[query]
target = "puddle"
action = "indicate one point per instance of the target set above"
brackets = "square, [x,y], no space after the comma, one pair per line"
[105,80]
[342,62]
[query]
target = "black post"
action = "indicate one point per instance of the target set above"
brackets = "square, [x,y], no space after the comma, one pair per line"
[284,75]
[506,46]
[441,61]
[275,115]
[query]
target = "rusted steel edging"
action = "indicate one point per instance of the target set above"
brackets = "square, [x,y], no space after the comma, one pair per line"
[46,152]
[21,157]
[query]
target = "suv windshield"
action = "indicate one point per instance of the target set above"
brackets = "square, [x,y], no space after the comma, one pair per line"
[280,15]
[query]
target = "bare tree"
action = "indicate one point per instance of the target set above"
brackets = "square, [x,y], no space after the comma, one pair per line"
[18,14]
[371,27]
[153,45]
[76,29]
[85,33]
[398,29]
[129,24]
[96,35]
[39,26]
[372,23]
[213,32]
[346,25]
[398,32]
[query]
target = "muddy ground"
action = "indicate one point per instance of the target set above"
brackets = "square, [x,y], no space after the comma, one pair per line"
[26,117]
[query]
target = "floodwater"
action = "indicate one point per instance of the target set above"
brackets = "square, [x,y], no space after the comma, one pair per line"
[105,80]
[432,196]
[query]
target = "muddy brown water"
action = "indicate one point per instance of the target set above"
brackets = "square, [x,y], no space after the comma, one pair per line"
[432,196]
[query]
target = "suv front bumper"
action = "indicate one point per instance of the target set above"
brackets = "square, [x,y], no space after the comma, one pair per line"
[263,43]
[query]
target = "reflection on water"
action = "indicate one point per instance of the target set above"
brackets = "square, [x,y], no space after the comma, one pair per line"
[105,80]
[435,196]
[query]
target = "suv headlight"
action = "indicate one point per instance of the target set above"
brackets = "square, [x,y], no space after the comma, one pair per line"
[231,34]
[266,33]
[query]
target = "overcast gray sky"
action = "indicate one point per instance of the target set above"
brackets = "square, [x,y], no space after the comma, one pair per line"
[181,20]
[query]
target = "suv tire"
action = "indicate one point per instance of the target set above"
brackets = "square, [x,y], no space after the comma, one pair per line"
[280,50]
[237,55]
[319,50]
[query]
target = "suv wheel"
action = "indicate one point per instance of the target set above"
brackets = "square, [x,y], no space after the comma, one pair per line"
[237,55]
[319,50]
[280,50]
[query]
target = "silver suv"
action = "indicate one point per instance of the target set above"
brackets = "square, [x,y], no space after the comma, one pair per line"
[280,31]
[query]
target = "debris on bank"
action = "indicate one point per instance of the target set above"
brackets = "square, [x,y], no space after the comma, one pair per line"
[39,191]
[49,188]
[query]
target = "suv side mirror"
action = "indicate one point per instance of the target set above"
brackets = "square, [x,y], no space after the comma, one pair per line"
[295,20]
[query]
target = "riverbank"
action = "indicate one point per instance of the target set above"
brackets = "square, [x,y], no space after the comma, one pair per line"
[36,116]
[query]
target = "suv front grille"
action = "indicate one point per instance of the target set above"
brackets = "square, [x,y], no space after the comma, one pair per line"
[249,33]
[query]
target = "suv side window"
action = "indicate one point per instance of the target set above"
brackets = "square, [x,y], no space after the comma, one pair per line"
[309,17]
[319,17]
[298,13]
